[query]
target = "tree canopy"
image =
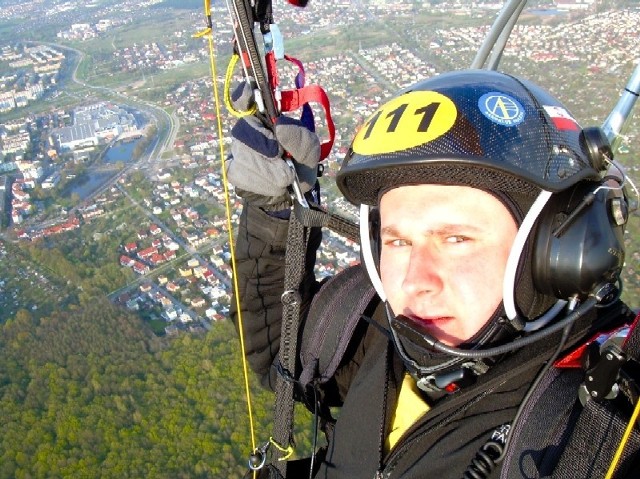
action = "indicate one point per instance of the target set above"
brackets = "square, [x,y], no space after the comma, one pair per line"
[90,392]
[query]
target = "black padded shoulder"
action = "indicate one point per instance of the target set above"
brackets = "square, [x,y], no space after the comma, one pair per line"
[336,310]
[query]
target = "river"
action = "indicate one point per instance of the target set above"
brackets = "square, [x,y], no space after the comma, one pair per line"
[121,151]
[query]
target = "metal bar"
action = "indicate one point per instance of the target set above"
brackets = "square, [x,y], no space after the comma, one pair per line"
[498,49]
[502,21]
[615,123]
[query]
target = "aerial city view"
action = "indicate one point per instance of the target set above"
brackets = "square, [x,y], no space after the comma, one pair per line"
[117,356]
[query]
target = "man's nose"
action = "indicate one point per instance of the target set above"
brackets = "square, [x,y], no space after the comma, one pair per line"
[423,273]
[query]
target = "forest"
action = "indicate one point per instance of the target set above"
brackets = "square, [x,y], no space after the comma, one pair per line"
[91,392]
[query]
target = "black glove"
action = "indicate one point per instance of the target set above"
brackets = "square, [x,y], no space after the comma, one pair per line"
[256,166]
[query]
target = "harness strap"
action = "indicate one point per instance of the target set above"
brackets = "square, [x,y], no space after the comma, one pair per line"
[588,435]
[316,216]
[293,99]
[297,238]
[594,441]
[601,427]
[631,345]
[541,426]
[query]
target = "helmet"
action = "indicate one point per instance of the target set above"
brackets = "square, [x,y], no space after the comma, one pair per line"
[476,128]
[507,136]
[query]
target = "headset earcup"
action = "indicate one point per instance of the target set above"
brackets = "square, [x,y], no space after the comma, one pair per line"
[588,250]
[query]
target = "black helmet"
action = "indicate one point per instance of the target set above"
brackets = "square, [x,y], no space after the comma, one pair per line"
[475,128]
[504,135]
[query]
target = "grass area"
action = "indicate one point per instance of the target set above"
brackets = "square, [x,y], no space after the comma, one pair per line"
[335,41]
[157,85]
[157,326]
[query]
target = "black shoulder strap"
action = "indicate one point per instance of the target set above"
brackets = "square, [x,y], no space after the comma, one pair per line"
[323,347]
[533,449]
[557,437]
[602,423]
[297,240]
[300,223]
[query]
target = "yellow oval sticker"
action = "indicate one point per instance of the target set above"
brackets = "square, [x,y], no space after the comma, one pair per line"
[409,120]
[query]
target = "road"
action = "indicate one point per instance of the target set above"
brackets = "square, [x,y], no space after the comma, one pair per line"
[164,140]
[167,126]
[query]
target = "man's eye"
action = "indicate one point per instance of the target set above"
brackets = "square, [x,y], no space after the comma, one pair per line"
[397,242]
[457,239]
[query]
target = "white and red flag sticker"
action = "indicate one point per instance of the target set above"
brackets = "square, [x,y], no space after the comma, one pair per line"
[561,118]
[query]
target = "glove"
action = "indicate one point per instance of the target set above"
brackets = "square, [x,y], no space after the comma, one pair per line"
[256,167]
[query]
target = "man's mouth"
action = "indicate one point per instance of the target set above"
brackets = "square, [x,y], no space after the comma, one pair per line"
[431,319]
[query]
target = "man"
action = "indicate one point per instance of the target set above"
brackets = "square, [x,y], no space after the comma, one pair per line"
[489,235]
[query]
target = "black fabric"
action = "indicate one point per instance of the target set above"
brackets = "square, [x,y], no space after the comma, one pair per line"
[599,428]
[543,426]
[287,356]
[366,383]
[260,257]
[324,346]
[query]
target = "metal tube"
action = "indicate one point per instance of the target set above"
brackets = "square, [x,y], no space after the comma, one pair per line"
[498,48]
[615,122]
[504,17]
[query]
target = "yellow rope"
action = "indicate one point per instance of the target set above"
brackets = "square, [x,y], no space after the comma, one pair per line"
[209,33]
[288,451]
[227,91]
[623,441]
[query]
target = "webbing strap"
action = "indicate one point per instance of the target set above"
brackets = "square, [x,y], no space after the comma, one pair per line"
[291,301]
[532,452]
[631,345]
[297,238]
[600,429]
[293,99]
[593,443]
[316,216]
[558,438]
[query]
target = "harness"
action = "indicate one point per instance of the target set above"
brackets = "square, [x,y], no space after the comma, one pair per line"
[599,426]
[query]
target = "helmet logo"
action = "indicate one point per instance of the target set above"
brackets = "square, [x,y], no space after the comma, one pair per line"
[501,109]
[409,120]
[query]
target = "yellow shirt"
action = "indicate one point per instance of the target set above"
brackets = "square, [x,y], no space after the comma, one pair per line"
[411,406]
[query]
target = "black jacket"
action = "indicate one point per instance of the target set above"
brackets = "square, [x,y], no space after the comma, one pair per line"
[440,445]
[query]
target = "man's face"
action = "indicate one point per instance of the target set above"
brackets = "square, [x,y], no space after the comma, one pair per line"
[443,256]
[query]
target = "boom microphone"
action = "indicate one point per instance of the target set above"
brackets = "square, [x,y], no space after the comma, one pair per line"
[413,330]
